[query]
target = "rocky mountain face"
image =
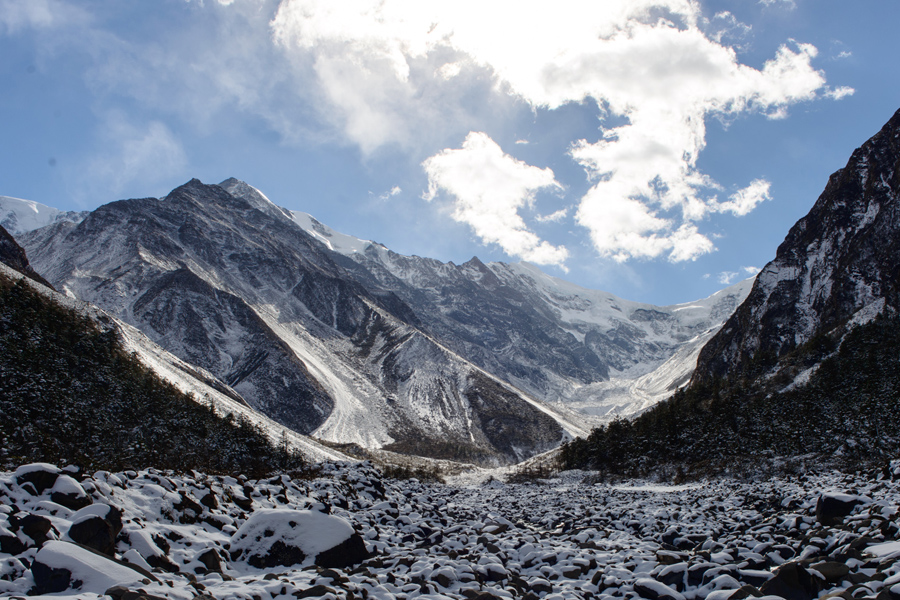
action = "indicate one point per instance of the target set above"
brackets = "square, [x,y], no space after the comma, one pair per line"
[587,349]
[13,256]
[838,264]
[808,367]
[348,341]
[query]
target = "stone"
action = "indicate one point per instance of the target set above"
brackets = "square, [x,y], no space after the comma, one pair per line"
[655,590]
[350,552]
[34,526]
[833,572]
[40,475]
[832,508]
[747,591]
[10,544]
[211,560]
[97,527]
[792,582]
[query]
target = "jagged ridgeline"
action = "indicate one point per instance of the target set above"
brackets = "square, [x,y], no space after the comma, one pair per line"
[809,364]
[70,392]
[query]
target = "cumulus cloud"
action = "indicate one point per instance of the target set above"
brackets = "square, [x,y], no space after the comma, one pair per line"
[555,217]
[414,74]
[489,188]
[743,201]
[650,63]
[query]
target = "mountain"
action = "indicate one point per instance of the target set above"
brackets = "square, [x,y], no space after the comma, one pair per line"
[13,256]
[18,216]
[590,350]
[809,365]
[70,391]
[345,340]
[840,261]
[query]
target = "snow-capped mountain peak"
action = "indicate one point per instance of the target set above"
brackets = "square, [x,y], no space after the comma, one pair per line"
[18,216]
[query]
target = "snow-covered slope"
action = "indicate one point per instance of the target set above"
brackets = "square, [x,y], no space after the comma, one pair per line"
[18,216]
[346,340]
[231,284]
[611,357]
[192,380]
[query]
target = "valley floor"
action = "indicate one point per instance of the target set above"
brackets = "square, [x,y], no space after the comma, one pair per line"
[807,536]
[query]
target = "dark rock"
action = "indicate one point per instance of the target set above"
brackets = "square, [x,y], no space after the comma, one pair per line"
[119,592]
[211,560]
[71,501]
[747,591]
[314,592]
[245,504]
[792,582]
[832,508]
[189,510]
[278,554]
[41,476]
[97,532]
[209,501]
[48,580]
[349,552]
[10,544]
[833,572]
[655,590]
[34,526]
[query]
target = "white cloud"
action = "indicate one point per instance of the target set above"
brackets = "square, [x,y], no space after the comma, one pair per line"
[414,74]
[394,191]
[728,277]
[663,76]
[489,188]
[133,154]
[745,200]
[840,92]
[16,15]
[554,217]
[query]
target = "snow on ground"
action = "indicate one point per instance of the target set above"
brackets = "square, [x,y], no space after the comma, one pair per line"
[567,537]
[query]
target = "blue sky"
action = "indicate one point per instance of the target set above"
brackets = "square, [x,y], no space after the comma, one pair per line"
[655,149]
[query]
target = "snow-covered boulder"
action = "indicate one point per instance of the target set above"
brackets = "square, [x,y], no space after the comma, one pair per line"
[69,493]
[41,476]
[97,526]
[831,508]
[60,566]
[289,537]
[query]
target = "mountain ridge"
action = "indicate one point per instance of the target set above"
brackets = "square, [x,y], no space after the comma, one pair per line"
[366,346]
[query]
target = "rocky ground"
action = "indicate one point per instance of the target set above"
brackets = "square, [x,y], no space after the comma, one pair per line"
[351,534]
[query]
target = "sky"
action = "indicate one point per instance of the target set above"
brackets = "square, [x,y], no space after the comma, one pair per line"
[655,149]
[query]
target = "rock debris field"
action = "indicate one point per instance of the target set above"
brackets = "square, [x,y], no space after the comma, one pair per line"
[351,534]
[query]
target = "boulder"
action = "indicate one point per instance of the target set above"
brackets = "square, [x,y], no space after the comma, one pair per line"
[282,537]
[36,527]
[832,508]
[69,493]
[655,590]
[60,566]
[792,582]
[40,475]
[97,526]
